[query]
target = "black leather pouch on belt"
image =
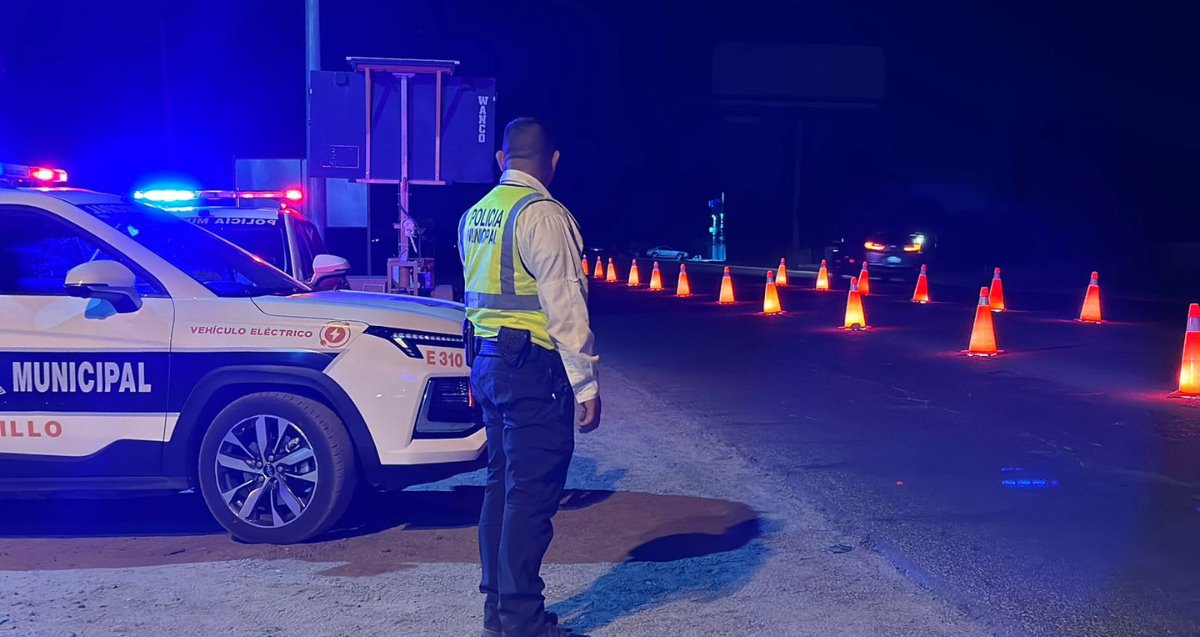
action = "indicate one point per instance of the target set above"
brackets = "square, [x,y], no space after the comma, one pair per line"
[469,345]
[514,345]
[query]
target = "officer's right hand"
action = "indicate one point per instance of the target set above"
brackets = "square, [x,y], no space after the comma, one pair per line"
[589,415]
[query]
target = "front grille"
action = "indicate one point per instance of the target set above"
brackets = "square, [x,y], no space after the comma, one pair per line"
[447,410]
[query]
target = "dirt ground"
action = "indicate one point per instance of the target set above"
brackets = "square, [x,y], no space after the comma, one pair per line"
[662,532]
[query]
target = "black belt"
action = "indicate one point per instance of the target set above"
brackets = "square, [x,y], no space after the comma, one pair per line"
[491,347]
[487,347]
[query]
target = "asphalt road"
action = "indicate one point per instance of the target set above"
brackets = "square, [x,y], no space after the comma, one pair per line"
[1054,490]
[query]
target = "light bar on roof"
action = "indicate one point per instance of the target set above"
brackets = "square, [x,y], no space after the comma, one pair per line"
[168,197]
[39,175]
[291,194]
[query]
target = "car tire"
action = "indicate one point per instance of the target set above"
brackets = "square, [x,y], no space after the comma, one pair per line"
[299,490]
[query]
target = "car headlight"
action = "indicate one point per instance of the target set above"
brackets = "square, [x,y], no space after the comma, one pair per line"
[410,341]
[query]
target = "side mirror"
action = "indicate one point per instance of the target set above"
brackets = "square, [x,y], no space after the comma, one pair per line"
[105,280]
[330,265]
[329,272]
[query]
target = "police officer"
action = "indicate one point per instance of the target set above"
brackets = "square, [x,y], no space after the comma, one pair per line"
[532,371]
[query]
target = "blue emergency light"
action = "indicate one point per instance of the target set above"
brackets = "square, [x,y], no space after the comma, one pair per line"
[165,195]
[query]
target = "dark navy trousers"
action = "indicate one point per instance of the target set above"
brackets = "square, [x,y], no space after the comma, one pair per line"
[529,412]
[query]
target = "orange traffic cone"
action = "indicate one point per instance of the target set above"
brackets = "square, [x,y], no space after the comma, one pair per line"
[823,278]
[611,277]
[856,319]
[634,279]
[1091,301]
[726,288]
[599,275]
[983,333]
[781,276]
[683,287]
[586,267]
[771,296]
[1189,370]
[655,279]
[864,281]
[996,293]
[921,293]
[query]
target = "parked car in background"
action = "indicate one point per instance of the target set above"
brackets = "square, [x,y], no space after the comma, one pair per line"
[666,253]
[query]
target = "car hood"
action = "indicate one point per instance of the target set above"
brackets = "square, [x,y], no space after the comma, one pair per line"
[387,310]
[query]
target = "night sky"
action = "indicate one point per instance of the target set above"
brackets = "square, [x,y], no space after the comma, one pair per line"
[1072,124]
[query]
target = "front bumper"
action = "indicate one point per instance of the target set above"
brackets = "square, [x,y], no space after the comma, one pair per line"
[434,451]
[391,391]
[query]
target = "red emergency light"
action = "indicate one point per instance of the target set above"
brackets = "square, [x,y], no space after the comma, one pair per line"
[18,175]
[48,175]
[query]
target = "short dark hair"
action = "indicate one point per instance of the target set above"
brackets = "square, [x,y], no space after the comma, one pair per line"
[527,138]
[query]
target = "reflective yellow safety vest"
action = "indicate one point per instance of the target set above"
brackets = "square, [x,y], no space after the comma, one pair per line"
[500,292]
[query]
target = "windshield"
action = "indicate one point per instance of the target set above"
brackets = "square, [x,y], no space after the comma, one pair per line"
[218,265]
[264,238]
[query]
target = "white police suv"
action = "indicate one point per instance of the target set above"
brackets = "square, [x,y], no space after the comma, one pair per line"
[141,352]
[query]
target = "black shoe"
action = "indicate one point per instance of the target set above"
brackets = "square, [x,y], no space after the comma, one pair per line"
[556,631]
[551,620]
